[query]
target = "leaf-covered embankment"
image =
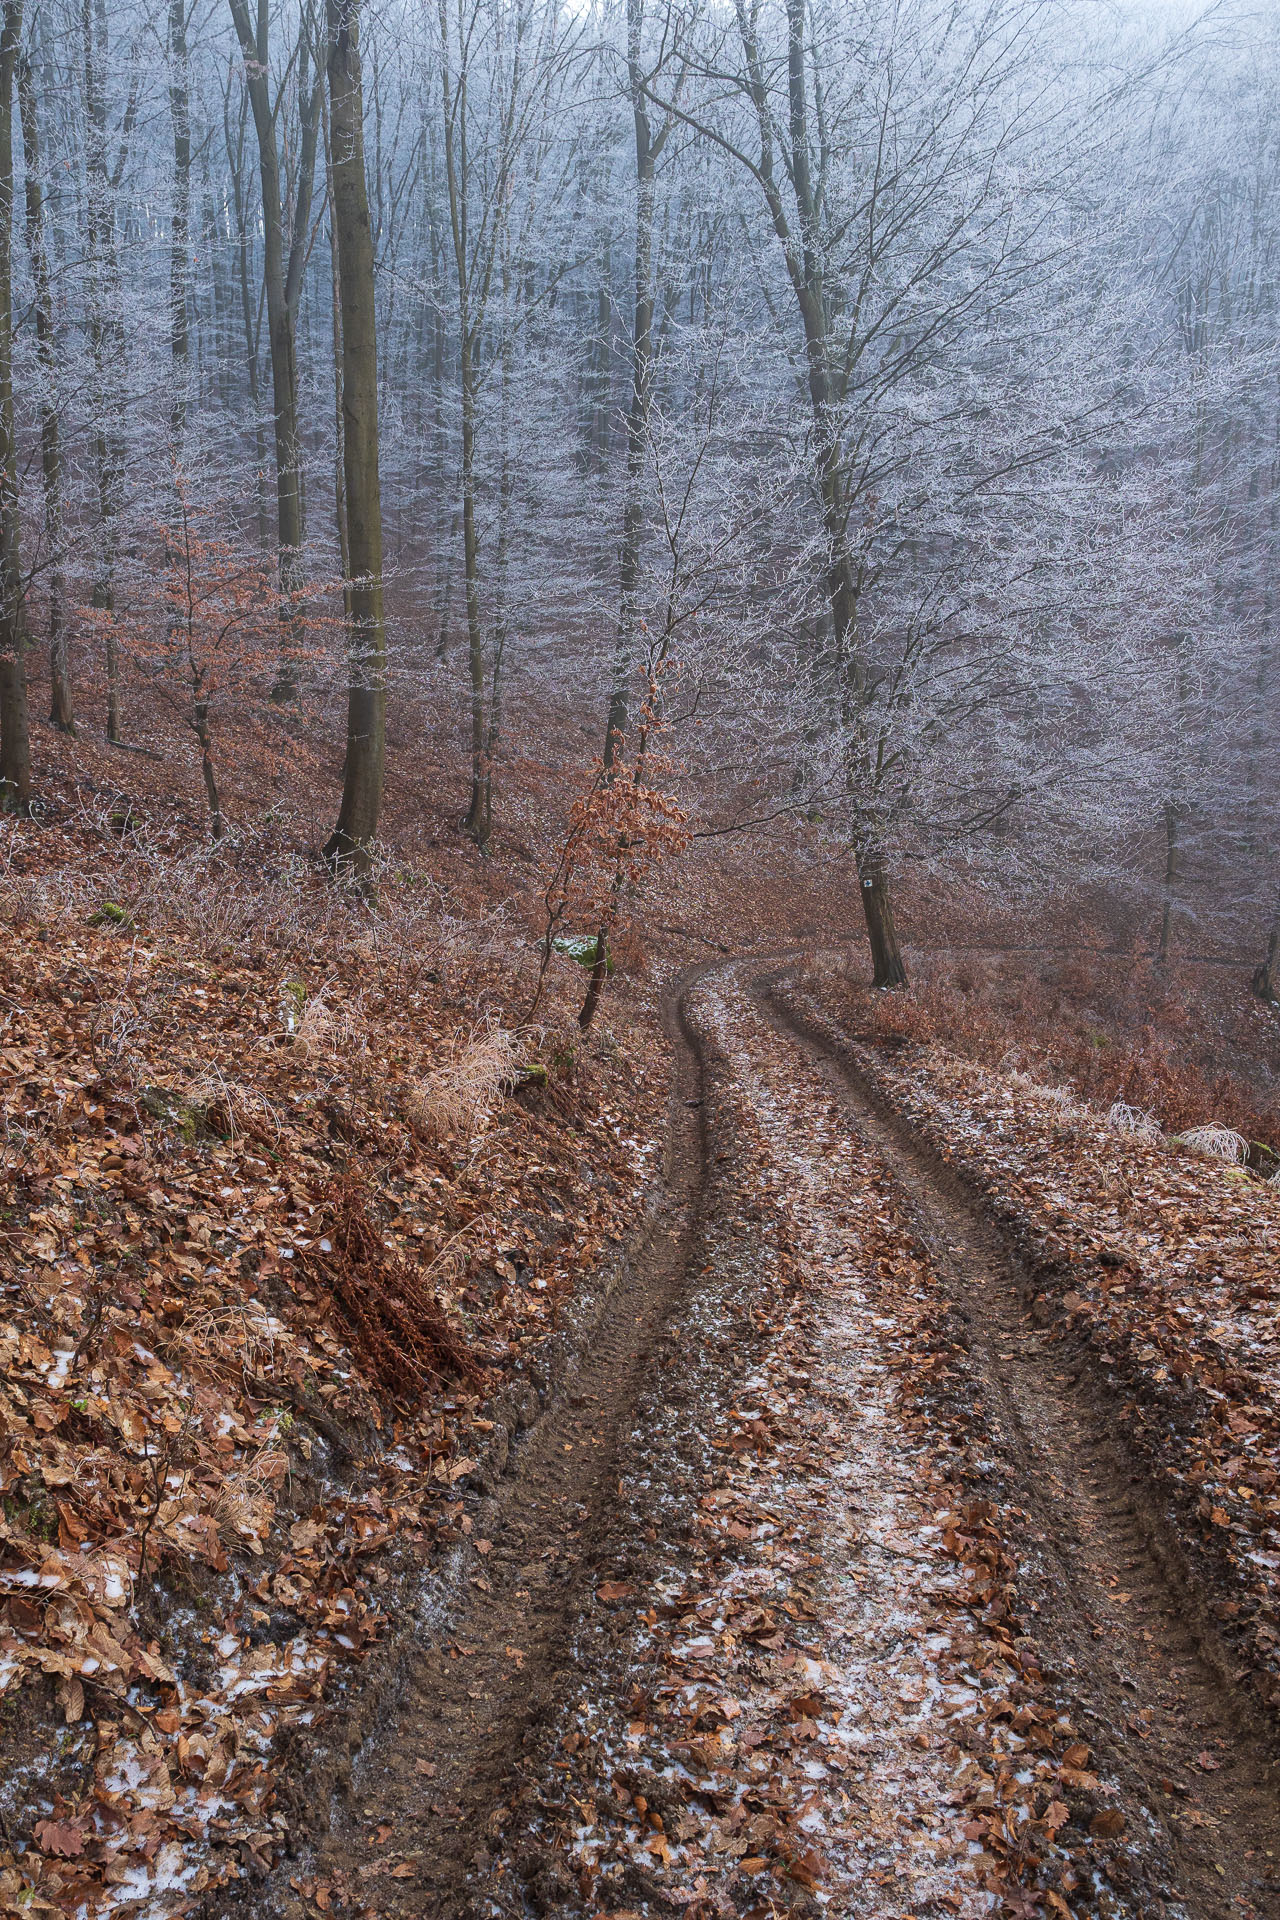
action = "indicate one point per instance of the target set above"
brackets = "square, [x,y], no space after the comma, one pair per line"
[289,1230]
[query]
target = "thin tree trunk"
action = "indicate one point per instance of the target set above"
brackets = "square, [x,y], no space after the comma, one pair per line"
[646,150]
[200,727]
[15,732]
[1172,822]
[597,374]
[596,983]
[446,601]
[502,555]
[339,484]
[250,318]
[180,224]
[638,413]
[478,822]
[61,701]
[367,695]
[1266,980]
[283,284]
[106,342]
[804,257]
[438,461]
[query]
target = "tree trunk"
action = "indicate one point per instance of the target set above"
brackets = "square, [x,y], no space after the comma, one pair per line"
[339,484]
[106,340]
[888,969]
[1172,821]
[501,571]
[851,694]
[491,723]
[180,223]
[630,550]
[282,281]
[367,697]
[446,598]
[1266,980]
[248,316]
[61,702]
[200,727]
[599,374]
[595,985]
[641,394]
[479,822]
[15,733]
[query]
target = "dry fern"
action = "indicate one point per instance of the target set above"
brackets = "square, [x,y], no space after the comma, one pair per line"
[391,1316]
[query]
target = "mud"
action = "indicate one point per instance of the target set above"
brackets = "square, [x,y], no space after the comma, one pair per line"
[433,1771]
[1120,1613]
[433,1819]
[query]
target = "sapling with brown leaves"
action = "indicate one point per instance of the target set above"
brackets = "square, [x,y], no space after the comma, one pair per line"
[204,632]
[621,825]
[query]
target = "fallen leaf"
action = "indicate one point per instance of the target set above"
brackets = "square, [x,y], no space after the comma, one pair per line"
[60,1837]
[1055,1815]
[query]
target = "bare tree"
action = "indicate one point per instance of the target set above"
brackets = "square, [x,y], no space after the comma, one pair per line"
[286,196]
[881,141]
[15,741]
[500,63]
[349,844]
[105,302]
[61,698]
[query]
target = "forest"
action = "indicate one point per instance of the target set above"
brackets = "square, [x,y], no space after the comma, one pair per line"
[892,387]
[640,982]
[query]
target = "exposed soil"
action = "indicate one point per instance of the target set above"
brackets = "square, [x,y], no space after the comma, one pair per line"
[440,1804]
[1119,1613]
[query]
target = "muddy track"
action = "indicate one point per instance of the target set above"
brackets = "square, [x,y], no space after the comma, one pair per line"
[430,1787]
[434,1791]
[1120,1618]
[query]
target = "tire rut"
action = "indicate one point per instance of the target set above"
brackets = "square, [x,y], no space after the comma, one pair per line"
[1119,1613]
[431,1788]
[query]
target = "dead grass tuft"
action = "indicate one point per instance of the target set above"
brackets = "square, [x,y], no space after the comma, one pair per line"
[231,1108]
[459,1098]
[1133,1120]
[1216,1143]
[246,1501]
[324,1031]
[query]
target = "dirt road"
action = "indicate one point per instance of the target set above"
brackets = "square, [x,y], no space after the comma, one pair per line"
[820,1589]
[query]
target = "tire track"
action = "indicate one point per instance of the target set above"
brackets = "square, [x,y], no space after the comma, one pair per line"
[1120,1616]
[431,1825]
[427,1801]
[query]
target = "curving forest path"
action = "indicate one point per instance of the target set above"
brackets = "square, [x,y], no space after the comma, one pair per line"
[718,1651]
